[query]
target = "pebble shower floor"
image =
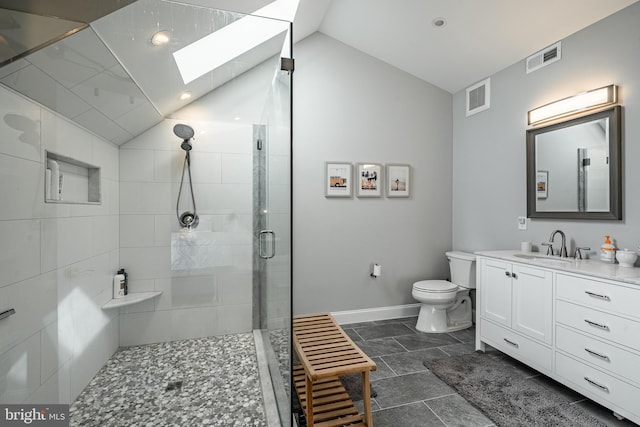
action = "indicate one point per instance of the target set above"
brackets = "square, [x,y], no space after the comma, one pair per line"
[197,382]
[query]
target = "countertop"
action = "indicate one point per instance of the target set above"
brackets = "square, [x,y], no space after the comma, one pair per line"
[587,267]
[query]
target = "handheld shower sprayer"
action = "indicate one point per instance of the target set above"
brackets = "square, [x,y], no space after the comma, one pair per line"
[187,219]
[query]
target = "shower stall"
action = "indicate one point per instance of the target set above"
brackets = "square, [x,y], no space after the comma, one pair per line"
[151,108]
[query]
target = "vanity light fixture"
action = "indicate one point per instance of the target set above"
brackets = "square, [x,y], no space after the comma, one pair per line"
[184,96]
[581,102]
[160,38]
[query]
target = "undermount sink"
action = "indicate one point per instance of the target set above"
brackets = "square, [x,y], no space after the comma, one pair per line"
[544,258]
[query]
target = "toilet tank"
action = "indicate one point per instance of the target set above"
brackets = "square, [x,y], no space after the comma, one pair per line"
[462,266]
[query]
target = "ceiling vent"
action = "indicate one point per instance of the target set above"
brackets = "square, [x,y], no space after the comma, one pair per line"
[478,97]
[545,57]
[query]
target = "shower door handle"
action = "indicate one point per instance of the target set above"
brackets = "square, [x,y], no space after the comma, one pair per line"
[263,234]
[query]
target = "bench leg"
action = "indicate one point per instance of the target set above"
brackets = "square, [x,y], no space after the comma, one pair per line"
[309,411]
[366,396]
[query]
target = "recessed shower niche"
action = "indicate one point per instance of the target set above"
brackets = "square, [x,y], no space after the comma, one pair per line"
[67,180]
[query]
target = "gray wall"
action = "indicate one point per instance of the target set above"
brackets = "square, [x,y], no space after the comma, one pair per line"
[353,108]
[489,171]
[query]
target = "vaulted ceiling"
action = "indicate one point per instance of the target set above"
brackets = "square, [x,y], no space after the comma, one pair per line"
[478,38]
[109,78]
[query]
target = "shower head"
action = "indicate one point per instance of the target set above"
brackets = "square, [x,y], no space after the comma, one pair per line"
[183,131]
[186,133]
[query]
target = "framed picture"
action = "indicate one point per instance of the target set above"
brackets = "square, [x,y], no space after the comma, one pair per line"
[398,180]
[369,180]
[542,184]
[338,179]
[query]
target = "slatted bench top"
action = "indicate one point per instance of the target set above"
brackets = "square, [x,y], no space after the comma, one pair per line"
[325,350]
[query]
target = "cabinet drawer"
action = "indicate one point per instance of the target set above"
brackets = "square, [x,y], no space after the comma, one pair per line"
[597,294]
[517,346]
[598,385]
[614,359]
[607,326]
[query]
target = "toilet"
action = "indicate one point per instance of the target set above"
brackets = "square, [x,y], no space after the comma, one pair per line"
[446,306]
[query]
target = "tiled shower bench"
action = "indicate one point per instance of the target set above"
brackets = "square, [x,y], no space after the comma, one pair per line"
[326,353]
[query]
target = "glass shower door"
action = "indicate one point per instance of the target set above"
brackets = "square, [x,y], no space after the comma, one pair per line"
[272,226]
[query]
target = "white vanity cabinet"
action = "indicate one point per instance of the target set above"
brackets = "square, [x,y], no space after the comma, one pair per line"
[516,306]
[577,322]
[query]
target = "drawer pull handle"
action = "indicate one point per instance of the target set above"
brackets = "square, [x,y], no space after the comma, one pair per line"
[597,325]
[594,295]
[598,355]
[600,386]
[515,344]
[508,274]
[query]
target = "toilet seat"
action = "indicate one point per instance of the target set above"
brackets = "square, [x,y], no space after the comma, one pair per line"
[434,286]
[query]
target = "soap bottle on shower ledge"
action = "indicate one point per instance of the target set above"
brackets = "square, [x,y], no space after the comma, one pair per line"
[608,251]
[118,285]
[126,280]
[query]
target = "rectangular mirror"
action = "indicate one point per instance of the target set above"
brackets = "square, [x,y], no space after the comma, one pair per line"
[574,168]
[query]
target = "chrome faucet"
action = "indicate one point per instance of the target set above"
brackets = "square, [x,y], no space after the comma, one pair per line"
[578,254]
[563,247]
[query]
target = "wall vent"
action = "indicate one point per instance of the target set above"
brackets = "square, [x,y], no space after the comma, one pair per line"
[478,97]
[546,56]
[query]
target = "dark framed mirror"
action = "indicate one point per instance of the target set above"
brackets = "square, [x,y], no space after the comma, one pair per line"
[574,168]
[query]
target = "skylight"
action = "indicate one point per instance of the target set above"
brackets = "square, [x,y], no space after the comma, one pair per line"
[222,46]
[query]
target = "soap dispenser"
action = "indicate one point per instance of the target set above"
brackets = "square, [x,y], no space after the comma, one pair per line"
[608,251]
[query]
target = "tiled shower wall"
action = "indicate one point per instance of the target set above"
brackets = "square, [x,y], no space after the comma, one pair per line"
[57,260]
[214,299]
[211,299]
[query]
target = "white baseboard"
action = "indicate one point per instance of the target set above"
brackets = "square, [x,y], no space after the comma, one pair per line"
[377,313]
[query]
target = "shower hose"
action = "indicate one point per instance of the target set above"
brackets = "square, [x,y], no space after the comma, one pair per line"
[187,219]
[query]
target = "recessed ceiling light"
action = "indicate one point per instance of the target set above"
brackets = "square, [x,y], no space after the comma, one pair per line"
[185,95]
[160,38]
[439,22]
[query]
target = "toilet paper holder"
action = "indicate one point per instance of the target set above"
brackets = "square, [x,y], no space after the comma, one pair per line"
[376,271]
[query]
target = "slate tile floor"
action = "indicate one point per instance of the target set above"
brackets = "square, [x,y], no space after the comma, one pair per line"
[409,395]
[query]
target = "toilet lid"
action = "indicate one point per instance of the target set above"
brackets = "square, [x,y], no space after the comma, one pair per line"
[435,286]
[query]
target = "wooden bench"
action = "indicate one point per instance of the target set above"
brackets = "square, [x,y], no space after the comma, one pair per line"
[325,353]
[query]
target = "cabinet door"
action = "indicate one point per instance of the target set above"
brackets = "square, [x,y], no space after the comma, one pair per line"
[532,302]
[495,291]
